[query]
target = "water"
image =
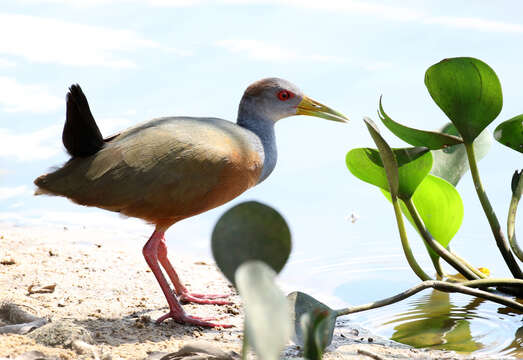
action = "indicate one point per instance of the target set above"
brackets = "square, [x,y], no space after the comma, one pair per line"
[438,320]
[430,319]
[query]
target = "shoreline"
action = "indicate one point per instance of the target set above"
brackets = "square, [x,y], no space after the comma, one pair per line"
[104,286]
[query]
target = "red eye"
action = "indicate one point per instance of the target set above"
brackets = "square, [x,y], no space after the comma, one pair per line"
[285,95]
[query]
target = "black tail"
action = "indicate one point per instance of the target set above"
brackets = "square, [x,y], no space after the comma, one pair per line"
[81,136]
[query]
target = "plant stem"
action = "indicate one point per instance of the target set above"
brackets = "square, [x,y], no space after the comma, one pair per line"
[469,265]
[405,242]
[511,223]
[437,266]
[491,215]
[438,285]
[436,246]
[493,282]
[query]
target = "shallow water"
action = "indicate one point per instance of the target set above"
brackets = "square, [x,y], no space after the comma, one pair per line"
[430,319]
[438,320]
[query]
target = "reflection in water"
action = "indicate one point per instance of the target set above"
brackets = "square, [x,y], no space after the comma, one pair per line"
[434,322]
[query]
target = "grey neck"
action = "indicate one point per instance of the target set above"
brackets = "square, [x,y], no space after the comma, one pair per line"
[263,128]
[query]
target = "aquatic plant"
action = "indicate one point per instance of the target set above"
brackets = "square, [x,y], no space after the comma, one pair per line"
[468,91]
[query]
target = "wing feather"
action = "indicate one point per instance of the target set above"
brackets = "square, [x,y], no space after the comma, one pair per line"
[167,168]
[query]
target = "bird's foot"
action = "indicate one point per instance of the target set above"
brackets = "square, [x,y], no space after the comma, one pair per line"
[210,299]
[183,318]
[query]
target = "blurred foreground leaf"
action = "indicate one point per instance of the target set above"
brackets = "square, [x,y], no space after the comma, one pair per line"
[267,320]
[250,231]
[301,304]
[315,326]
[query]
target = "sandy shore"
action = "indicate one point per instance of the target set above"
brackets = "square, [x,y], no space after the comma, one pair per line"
[101,288]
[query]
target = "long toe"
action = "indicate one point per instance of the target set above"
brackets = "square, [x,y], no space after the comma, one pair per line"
[203,299]
[192,320]
[210,296]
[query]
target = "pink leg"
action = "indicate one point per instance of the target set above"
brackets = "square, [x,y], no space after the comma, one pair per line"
[150,252]
[181,291]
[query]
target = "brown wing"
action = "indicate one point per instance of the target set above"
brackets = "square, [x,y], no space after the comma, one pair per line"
[163,171]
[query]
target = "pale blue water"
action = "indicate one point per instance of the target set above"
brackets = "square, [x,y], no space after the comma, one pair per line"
[368,271]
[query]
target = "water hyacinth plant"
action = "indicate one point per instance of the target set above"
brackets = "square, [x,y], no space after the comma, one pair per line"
[469,93]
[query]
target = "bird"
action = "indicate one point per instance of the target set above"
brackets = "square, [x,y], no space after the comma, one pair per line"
[167,169]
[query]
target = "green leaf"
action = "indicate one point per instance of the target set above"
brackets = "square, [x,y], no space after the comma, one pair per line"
[267,320]
[413,165]
[468,91]
[250,231]
[315,327]
[510,133]
[430,139]
[439,206]
[451,163]
[301,304]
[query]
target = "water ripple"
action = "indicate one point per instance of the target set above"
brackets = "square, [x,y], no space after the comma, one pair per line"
[453,322]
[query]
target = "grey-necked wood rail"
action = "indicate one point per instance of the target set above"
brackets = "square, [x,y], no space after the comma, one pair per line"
[168,169]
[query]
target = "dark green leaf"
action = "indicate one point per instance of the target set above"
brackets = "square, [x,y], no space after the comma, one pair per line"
[468,91]
[250,231]
[430,139]
[510,133]
[315,327]
[451,163]
[301,304]
[267,320]
[413,165]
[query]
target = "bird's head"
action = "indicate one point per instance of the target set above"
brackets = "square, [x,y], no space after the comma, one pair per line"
[275,99]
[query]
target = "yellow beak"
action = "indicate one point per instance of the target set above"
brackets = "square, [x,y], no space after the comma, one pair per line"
[313,108]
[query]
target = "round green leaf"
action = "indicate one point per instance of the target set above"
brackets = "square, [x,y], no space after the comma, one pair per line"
[440,207]
[267,319]
[250,231]
[468,91]
[510,133]
[431,139]
[413,165]
[451,163]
